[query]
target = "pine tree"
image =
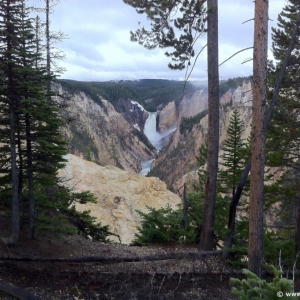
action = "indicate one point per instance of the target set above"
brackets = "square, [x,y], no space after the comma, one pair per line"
[233,157]
[34,122]
[9,21]
[281,37]
[284,134]
[233,160]
[191,25]
[276,84]
[207,234]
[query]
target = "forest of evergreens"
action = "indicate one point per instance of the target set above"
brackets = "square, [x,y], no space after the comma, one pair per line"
[33,198]
[158,92]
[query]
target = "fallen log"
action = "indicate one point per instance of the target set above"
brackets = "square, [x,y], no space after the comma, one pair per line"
[15,291]
[100,259]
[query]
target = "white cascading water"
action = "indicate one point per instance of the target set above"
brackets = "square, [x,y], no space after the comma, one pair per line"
[150,130]
[154,137]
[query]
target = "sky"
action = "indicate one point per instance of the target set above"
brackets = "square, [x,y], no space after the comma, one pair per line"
[98,47]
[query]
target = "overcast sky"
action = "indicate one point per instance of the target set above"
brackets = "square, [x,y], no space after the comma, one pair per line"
[99,46]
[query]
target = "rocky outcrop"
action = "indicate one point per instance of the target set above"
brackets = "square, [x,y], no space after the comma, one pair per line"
[119,194]
[171,115]
[167,117]
[102,135]
[243,94]
[226,98]
[132,112]
[193,104]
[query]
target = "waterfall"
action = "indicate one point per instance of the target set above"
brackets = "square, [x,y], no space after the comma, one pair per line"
[150,131]
[156,139]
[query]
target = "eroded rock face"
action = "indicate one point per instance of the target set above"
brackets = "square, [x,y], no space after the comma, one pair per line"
[171,115]
[243,94]
[178,157]
[167,117]
[119,194]
[101,134]
[191,106]
[132,112]
[191,177]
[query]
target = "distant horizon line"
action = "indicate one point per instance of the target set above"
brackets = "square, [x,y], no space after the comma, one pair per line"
[166,79]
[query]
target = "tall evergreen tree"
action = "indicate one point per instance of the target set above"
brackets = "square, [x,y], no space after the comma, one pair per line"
[233,157]
[34,128]
[281,37]
[207,234]
[274,102]
[283,138]
[9,41]
[233,160]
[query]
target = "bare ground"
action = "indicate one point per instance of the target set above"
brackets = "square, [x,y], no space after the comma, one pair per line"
[197,278]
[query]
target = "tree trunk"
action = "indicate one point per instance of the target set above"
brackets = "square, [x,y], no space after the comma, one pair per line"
[185,208]
[297,207]
[30,178]
[232,209]
[12,138]
[255,249]
[48,57]
[14,177]
[207,234]
[297,231]
[239,189]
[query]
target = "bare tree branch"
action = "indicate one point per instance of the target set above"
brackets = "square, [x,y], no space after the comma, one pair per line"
[235,54]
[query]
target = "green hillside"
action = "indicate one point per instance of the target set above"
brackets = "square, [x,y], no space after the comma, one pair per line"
[151,93]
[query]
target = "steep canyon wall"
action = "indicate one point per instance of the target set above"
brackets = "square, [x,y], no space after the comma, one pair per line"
[176,162]
[101,134]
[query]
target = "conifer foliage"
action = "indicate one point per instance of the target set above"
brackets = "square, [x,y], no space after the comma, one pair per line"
[31,145]
[235,153]
[233,158]
[283,135]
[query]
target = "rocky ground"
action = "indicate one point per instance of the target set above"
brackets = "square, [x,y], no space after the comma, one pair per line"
[193,278]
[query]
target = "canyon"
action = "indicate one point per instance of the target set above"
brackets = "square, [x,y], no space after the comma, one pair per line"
[111,142]
[177,160]
[102,134]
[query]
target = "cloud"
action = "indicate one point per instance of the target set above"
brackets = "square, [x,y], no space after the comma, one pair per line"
[99,46]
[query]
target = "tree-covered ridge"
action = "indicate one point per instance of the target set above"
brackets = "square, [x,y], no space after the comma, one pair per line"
[187,124]
[232,83]
[151,93]
[108,90]
[162,91]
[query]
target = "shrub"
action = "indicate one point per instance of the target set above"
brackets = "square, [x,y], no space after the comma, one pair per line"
[255,288]
[167,225]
